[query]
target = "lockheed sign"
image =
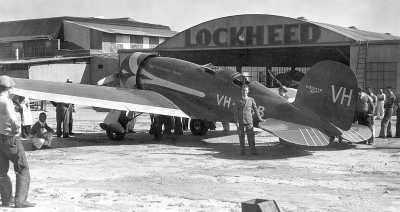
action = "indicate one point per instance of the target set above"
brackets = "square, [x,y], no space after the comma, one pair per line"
[281,34]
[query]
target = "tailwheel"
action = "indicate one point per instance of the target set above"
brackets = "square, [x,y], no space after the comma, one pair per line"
[198,126]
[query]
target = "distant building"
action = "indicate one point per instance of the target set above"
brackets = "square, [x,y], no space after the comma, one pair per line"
[60,36]
[88,46]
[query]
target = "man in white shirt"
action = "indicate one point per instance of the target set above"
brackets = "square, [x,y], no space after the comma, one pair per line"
[12,150]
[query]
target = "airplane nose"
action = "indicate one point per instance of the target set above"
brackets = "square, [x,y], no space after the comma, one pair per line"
[132,63]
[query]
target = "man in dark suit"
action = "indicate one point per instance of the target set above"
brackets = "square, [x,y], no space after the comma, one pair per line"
[244,120]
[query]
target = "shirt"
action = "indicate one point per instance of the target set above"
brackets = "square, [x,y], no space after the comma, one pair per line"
[389,103]
[362,102]
[38,129]
[242,110]
[8,118]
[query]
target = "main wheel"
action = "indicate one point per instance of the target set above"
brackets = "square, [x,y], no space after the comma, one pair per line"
[115,136]
[198,126]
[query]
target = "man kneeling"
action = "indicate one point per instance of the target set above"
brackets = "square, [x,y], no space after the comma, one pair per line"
[39,138]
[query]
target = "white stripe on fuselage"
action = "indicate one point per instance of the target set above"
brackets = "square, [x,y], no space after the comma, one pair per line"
[167,84]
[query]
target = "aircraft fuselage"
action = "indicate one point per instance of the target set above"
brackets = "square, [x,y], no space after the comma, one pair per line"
[208,92]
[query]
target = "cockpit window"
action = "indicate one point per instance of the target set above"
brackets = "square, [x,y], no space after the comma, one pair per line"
[239,80]
[210,69]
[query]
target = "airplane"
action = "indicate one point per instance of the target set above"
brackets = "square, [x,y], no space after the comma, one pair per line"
[324,105]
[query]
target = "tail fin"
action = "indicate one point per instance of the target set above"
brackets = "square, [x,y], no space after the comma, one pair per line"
[329,89]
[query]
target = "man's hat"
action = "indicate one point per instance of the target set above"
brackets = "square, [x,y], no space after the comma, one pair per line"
[6,81]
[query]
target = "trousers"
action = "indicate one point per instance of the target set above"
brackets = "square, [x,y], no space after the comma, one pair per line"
[12,150]
[386,124]
[62,118]
[250,138]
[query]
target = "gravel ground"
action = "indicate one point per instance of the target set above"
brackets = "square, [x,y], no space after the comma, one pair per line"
[88,172]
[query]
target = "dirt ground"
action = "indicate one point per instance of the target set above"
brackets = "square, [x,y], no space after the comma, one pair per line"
[88,172]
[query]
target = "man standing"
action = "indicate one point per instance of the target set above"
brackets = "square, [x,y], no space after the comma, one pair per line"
[371,110]
[12,150]
[364,109]
[244,119]
[379,106]
[71,109]
[386,124]
[398,120]
[62,117]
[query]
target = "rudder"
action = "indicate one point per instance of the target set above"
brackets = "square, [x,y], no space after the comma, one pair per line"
[329,89]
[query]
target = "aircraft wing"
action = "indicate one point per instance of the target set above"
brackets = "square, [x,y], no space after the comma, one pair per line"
[357,133]
[295,133]
[98,96]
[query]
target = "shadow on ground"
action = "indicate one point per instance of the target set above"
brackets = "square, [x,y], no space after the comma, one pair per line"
[227,147]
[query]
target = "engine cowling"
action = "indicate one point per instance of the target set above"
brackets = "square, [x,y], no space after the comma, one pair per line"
[130,69]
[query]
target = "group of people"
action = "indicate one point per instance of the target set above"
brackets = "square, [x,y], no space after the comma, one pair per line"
[34,133]
[11,148]
[163,125]
[381,105]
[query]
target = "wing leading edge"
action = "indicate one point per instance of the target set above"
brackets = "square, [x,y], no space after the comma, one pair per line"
[98,96]
[295,133]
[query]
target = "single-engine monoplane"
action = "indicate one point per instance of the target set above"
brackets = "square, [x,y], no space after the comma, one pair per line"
[324,105]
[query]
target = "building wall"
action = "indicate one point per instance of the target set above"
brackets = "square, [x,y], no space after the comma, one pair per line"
[382,67]
[29,49]
[78,73]
[77,34]
[101,67]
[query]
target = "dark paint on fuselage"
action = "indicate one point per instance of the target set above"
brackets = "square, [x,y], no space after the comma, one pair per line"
[220,93]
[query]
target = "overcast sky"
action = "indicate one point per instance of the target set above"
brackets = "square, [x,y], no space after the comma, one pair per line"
[371,15]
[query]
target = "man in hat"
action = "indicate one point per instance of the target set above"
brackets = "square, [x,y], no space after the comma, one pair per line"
[12,150]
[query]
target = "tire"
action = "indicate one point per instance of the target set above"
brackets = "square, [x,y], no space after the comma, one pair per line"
[199,127]
[115,136]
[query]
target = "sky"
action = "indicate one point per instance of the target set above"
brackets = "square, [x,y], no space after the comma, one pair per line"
[381,16]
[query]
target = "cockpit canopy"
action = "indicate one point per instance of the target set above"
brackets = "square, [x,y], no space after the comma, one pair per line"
[210,69]
[239,80]
[225,74]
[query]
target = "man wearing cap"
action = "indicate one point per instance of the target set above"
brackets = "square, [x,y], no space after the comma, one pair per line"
[12,150]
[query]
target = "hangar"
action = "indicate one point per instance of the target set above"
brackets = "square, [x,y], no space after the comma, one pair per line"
[257,45]
[78,48]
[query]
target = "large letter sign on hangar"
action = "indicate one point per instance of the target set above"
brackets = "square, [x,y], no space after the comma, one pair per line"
[252,31]
[253,35]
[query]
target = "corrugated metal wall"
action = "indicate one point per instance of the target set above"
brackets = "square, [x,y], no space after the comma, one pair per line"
[29,49]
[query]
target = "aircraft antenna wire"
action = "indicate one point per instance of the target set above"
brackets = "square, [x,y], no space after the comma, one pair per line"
[279,82]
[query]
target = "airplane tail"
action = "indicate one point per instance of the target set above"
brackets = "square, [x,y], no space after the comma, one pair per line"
[330,90]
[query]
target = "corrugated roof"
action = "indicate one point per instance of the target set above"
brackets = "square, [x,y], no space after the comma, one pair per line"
[50,27]
[19,38]
[356,34]
[128,30]
[42,60]
[29,29]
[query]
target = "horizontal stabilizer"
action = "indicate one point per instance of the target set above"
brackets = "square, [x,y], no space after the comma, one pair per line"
[108,79]
[295,133]
[357,133]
